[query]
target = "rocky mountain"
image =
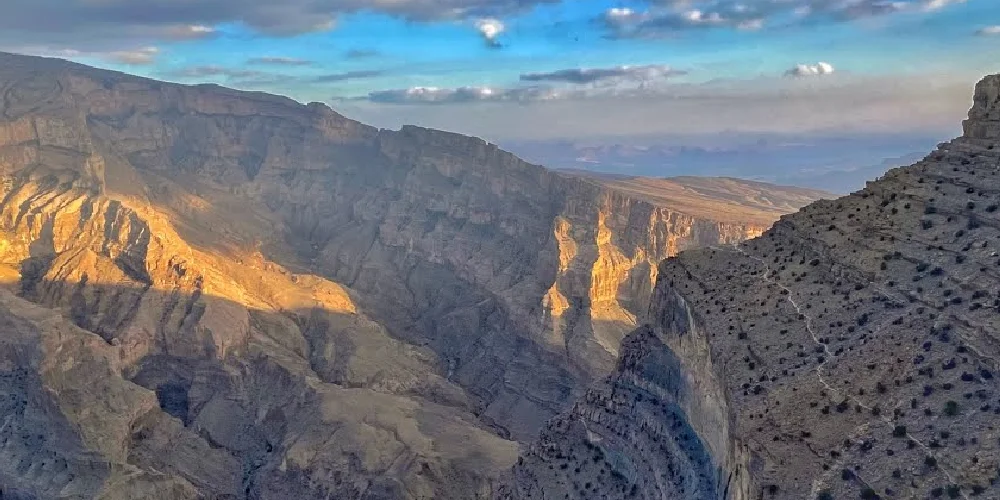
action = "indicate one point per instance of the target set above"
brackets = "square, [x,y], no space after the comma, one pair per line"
[209,293]
[849,352]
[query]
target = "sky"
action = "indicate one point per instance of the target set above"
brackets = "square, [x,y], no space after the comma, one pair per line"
[554,69]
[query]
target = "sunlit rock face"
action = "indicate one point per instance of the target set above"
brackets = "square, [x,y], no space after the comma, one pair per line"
[278,302]
[851,351]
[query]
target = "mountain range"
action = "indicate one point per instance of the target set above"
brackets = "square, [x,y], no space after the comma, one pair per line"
[850,351]
[839,163]
[209,293]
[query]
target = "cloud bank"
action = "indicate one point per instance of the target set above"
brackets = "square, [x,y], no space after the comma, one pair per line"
[668,17]
[436,95]
[561,84]
[74,22]
[932,103]
[596,75]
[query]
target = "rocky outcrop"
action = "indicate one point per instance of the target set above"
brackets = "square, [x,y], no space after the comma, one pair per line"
[331,309]
[849,351]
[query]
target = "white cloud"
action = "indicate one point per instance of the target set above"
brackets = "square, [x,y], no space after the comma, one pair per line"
[490,29]
[620,13]
[930,5]
[187,32]
[138,57]
[820,68]
[622,20]
[563,84]
[657,23]
[669,16]
[643,73]
[437,95]
[96,24]
[989,31]
[698,17]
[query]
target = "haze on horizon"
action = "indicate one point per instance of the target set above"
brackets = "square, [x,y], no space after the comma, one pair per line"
[524,73]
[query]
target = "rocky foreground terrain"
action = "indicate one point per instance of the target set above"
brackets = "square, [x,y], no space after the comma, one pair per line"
[852,351]
[218,294]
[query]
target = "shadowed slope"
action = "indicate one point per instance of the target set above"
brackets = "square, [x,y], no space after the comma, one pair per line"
[277,421]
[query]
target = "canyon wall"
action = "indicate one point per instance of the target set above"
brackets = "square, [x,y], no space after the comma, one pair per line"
[521,280]
[849,351]
[336,310]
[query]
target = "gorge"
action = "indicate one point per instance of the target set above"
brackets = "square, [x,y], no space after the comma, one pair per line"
[851,351]
[210,293]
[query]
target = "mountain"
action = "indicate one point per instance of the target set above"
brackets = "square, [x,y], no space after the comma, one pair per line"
[720,198]
[849,352]
[833,162]
[849,179]
[209,293]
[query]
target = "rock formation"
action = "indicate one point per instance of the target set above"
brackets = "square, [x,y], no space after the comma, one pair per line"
[219,294]
[850,352]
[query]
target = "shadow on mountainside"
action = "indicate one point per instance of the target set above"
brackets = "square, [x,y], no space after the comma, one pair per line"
[195,231]
[301,407]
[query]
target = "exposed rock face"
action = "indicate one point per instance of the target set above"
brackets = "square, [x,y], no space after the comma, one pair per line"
[284,303]
[851,350]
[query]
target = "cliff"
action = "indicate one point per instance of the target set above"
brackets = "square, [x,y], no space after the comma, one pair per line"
[849,351]
[336,309]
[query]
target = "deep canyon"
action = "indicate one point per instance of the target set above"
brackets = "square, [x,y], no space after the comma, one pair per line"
[210,293]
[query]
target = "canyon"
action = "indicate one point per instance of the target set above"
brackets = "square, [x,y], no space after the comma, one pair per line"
[210,293]
[850,351]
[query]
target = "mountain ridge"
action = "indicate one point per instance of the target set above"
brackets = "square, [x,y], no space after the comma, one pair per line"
[849,351]
[277,277]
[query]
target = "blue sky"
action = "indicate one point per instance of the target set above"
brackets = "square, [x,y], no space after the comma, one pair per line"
[521,69]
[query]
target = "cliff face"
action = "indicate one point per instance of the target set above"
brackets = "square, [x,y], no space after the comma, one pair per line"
[851,350]
[333,309]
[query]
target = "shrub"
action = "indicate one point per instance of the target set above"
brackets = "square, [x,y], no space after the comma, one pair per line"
[951,408]
[869,494]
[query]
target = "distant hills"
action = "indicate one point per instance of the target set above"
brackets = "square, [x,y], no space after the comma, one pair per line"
[840,164]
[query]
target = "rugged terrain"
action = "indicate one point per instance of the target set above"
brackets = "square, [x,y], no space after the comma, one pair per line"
[219,294]
[850,352]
